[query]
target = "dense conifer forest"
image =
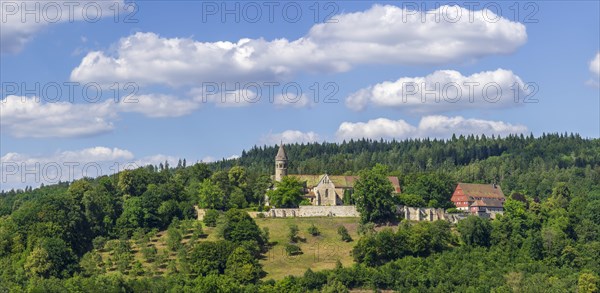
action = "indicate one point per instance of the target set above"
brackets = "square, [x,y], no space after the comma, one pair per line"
[96,234]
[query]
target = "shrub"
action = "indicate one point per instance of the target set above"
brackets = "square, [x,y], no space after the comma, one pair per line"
[293,233]
[305,202]
[265,235]
[210,218]
[173,238]
[150,253]
[237,226]
[453,211]
[99,242]
[342,231]
[313,230]
[137,269]
[197,232]
[366,229]
[292,249]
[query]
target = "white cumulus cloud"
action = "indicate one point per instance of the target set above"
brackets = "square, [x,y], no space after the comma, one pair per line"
[429,126]
[444,90]
[290,136]
[31,117]
[595,65]
[383,34]
[21,169]
[28,117]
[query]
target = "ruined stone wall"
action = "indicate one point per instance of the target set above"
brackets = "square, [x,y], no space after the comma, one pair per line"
[427,214]
[200,212]
[408,213]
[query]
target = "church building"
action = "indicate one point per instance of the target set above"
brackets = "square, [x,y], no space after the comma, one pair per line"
[324,189]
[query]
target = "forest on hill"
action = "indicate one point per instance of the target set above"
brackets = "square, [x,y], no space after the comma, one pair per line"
[88,235]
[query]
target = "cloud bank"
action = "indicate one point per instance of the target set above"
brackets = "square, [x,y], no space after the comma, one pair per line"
[430,126]
[444,90]
[29,117]
[383,34]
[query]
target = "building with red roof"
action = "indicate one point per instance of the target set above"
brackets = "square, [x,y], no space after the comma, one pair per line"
[478,198]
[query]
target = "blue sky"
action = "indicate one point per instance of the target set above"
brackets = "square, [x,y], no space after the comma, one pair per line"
[369,59]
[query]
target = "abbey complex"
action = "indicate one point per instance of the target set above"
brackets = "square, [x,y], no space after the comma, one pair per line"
[323,189]
[329,190]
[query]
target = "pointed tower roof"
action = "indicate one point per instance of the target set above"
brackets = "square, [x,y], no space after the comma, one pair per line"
[281,155]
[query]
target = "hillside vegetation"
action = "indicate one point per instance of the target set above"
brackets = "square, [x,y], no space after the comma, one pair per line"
[136,231]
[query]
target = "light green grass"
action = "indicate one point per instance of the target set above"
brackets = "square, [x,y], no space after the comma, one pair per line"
[320,252]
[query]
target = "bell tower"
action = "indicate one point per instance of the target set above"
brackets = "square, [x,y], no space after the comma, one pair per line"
[281,163]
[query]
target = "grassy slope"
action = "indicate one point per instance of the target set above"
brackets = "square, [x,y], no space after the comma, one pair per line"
[320,252]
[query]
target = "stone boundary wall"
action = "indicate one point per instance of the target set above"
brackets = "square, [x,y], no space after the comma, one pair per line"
[301,212]
[427,214]
[309,211]
[408,213]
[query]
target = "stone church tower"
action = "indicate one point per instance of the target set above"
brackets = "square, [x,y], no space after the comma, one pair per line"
[281,164]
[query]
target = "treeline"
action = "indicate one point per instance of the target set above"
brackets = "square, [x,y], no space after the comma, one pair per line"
[422,155]
[517,162]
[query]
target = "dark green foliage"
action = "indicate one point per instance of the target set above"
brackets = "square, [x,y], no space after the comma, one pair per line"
[453,211]
[475,231]
[265,235]
[421,239]
[366,229]
[237,199]
[210,257]
[99,242]
[243,266]
[433,189]
[210,218]
[293,233]
[287,193]
[57,216]
[174,238]
[347,199]
[211,195]
[132,216]
[51,257]
[197,231]
[150,253]
[314,280]
[373,196]
[547,240]
[237,227]
[313,230]
[91,263]
[343,232]
[292,249]
[411,200]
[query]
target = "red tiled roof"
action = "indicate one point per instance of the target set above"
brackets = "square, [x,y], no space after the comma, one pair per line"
[482,190]
[488,202]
